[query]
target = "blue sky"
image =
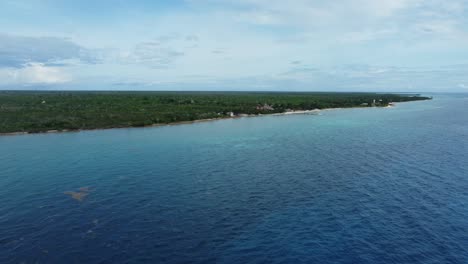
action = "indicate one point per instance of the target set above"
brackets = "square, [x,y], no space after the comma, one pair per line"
[297,45]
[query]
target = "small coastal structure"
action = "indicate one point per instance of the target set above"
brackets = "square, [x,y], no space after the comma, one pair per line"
[265,107]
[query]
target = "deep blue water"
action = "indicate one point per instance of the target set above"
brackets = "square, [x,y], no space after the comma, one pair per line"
[346,186]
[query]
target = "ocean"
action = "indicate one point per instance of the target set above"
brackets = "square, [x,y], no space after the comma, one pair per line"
[361,185]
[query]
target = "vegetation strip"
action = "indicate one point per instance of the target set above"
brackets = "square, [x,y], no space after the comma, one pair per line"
[35,112]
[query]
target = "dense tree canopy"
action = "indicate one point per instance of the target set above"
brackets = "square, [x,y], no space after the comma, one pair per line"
[42,111]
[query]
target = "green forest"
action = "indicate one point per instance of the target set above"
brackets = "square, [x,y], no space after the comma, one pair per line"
[34,112]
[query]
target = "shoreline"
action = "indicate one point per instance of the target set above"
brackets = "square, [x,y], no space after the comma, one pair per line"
[294,112]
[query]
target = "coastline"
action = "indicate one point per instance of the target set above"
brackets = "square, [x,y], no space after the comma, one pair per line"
[293,112]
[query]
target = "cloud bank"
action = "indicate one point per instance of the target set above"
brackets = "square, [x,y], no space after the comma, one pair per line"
[387,45]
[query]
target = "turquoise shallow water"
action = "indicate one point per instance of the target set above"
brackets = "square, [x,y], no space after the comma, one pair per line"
[347,186]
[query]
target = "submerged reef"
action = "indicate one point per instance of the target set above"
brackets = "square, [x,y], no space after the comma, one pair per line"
[79,195]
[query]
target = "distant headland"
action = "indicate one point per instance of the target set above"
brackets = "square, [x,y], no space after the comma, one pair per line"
[24,112]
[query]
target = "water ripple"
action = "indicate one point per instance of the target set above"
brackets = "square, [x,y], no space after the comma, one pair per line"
[346,186]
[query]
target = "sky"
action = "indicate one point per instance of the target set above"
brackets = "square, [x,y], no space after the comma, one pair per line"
[255,45]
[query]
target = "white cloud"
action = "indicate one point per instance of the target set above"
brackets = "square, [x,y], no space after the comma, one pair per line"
[366,35]
[441,27]
[15,51]
[385,8]
[33,73]
[259,18]
[308,13]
